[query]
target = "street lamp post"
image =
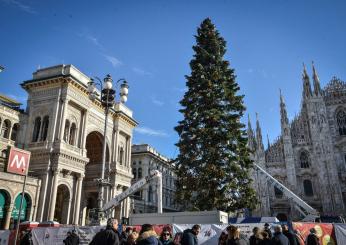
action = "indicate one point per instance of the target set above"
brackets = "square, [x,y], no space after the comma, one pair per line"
[107,98]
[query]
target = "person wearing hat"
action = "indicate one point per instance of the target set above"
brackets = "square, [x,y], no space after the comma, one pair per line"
[312,238]
[109,236]
[267,229]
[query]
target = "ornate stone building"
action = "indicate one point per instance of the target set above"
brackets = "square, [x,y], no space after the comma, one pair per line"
[309,157]
[63,130]
[144,159]
[11,134]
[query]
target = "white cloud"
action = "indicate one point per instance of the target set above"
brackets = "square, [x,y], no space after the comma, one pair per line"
[141,72]
[150,132]
[91,38]
[157,102]
[114,61]
[20,6]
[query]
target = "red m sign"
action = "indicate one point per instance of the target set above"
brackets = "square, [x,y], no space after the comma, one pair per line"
[18,161]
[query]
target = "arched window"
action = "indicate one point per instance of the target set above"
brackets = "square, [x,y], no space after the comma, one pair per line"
[308,191]
[15,130]
[45,125]
[304,160]
[341,121]
[278,193]
[5,132]
[73,131]
[4,153]
[134,172]
[67,131]
[36,131]
[139,173]
[150,194]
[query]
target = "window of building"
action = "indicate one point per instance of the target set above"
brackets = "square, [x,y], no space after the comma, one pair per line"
[4,153]
[73,131]
[308,191]
[134,163]
[304,160]
[5,131]
[341,121]
[15,130]
[150,194]
[36,131]
[67,131]
[278,193]
[139,173]
[140,162]
[45,125]
[121,155]
[134,172]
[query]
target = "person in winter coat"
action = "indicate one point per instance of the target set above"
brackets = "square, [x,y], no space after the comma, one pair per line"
[266,240]
[166,236]
[279,238]
[109,236]
[147,236]
[190,235]
[125,234]
[72,238]
[312,238]
[291,237]
[256,238]
[235,237]
[132,239]
[26,239]
[223,238]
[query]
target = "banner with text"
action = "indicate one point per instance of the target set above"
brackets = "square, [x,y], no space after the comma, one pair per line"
[324,231]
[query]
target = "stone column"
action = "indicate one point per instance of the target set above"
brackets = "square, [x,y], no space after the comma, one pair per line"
[77,204]
[41,207]
[8,216]
[68,211]
[62,122]
[53,194]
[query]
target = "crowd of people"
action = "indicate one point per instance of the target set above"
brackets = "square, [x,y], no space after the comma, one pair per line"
[147,236]
[282,236]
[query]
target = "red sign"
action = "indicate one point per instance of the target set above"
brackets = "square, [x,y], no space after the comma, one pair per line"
[18,161]
[324,232]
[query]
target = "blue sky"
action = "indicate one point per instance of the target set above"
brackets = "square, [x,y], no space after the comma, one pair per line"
[150,44]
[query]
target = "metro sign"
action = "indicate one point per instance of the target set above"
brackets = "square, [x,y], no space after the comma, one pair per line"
[18,161]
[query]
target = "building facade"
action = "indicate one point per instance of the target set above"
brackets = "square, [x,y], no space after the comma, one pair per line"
[63,129]
[145,159]
[309,157]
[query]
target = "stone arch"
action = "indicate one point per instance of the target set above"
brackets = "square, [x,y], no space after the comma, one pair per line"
[36,131]
[340,119]
[304,159]
[5,202]
[63,204]
[15,130]
[6,128]
[94,147]
[282,217]
[26,207]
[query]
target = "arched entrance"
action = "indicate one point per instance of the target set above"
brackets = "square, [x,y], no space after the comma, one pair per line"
[5,201]
[62,206]
[282,217]
[26,208]
[94,145]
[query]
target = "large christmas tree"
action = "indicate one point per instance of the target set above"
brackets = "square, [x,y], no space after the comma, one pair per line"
[213,163]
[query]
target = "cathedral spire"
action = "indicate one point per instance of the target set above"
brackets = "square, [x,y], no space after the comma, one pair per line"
[317,86]
[250,133]
[306,84]
[283,112]
[268,142]
[259,134]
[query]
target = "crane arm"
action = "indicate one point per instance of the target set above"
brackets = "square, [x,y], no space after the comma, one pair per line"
[132,189]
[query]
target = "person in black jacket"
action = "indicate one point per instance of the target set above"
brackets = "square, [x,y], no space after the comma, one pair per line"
[72,238]
[291,237]
[256,238]
[267,229]
[190,235]
[27,238]
[109,236]
[312,238]
[235,237]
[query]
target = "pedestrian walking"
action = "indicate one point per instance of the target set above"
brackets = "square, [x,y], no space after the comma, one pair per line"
[312,238]
[291,237]
[147,236]
[266,240]
[109,236]
[166,236]
[27,238]
[279,238]
[256,238]
[235,237]
[190,235]
[72,238]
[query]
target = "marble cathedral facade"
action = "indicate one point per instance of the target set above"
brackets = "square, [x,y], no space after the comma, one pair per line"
[309,157]
[63,130]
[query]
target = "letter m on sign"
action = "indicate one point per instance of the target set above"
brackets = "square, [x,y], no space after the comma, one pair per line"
[18,161]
